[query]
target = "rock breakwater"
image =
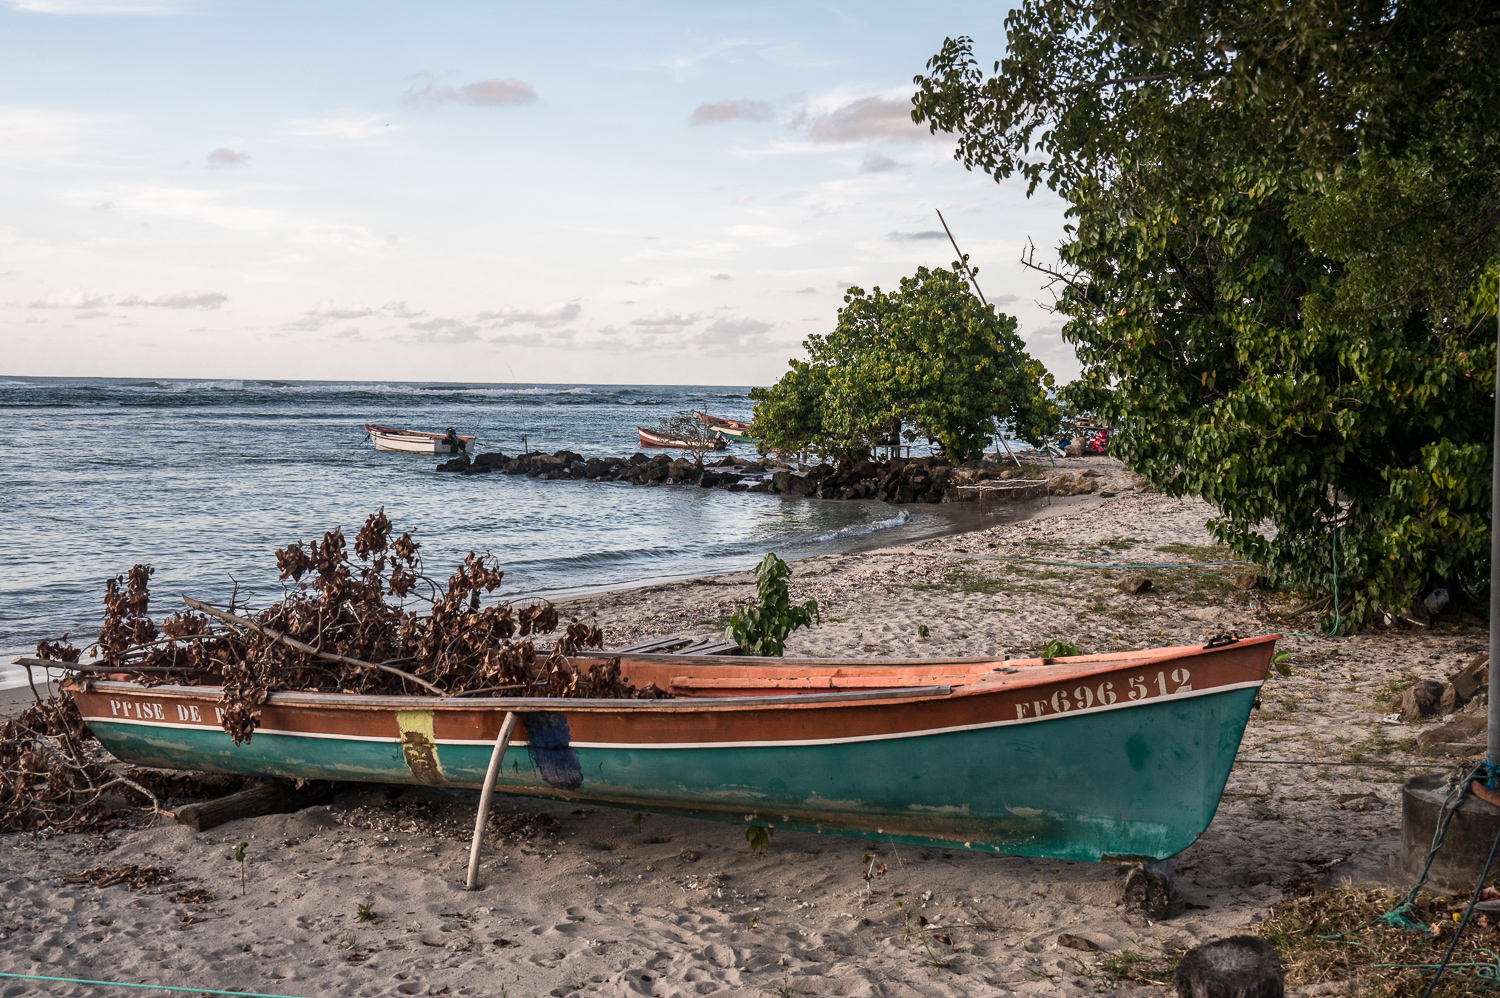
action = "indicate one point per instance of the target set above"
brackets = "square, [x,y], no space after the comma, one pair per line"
[898,480]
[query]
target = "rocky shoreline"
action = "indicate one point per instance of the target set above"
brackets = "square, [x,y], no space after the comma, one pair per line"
[897,480]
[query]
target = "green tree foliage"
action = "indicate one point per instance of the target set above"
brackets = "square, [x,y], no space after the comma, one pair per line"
[762,626]
[929,356]
[1281,218]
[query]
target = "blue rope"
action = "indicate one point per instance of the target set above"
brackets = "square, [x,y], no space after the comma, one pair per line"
[1397,916]
[151,987]
[1478,888]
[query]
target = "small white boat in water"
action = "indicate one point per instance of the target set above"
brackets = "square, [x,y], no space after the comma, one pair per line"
[418,441]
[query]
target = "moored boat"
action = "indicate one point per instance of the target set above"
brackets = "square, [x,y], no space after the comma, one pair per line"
[734,430]
[650,438]
[418,441]
[1117,757]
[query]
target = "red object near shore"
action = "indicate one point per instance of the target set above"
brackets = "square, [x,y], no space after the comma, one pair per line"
[650,439]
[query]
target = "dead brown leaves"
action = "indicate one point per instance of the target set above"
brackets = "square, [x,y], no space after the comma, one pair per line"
[133,876]
[49,775]
[369,619]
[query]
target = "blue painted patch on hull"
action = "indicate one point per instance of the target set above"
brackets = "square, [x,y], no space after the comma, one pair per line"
[550,747]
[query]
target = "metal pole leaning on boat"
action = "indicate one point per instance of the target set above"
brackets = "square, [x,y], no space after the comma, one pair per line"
[487,795]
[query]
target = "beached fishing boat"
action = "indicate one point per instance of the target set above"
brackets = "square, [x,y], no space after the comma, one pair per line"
[734,430]
[418,441]
[650,438]
[1099,757]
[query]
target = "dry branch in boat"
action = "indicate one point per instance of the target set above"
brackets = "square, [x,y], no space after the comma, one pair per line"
[347,625]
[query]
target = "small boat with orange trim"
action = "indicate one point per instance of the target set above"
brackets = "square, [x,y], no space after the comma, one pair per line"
[418,441]
[651,438]
[1120,757]
[734,430]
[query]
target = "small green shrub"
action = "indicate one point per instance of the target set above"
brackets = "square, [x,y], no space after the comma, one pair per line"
[759,837]
[762,626]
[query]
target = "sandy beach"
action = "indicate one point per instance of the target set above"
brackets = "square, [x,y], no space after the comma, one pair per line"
[584,901]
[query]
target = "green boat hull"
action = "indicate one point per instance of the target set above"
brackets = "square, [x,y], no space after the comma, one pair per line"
[1126,785]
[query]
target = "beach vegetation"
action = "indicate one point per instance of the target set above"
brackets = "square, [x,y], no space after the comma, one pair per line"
[1336,935]
[762,625]
[238,855]
[1279,268]
[1058,648]
[1127,966]
[928,360]
[759,837]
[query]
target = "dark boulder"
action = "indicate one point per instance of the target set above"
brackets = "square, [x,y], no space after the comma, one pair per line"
[460,463]
[494,459]
[545,464]
[1237,967]
[1422,700]
[717,479]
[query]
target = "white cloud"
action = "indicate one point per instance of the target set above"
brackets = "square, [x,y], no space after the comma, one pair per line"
[42,135]
[126,8]
[728,332]
[534,339]
[860,120]
[204,299]
[665,320]
[242,208]
[481,93]
[74,298]
[909,237]
[877,163]
[546,318]
[328,310]
[441,330]
[222,157]
[721,111]
[347,126]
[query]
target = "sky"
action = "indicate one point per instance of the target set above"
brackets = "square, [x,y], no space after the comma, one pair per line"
[446,191]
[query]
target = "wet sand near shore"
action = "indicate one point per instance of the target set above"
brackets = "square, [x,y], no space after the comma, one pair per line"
[582,901]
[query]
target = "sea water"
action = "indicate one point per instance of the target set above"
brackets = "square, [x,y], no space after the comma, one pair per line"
[203,480]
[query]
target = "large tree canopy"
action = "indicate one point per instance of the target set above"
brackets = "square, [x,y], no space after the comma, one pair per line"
[929,356]
[1280,221]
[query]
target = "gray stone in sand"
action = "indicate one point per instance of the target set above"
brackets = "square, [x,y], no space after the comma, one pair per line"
[1422,700]
[1237,967]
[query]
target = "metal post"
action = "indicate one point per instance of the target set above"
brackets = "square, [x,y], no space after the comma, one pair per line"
[1494,734]
[487,794]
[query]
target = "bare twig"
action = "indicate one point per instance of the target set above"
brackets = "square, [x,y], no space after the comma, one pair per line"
[309,649]
[45,663]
